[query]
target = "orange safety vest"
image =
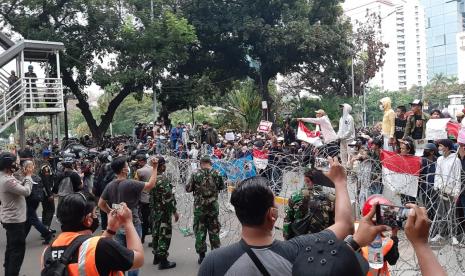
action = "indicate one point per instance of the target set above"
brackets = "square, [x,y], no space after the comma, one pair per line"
[86,260]
[386,247]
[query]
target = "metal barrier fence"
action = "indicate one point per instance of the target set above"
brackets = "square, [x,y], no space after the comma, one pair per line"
[447,216]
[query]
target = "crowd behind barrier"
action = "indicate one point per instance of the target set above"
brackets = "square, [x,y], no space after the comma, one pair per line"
[283,161]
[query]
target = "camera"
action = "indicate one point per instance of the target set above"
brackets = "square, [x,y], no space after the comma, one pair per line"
[392,216]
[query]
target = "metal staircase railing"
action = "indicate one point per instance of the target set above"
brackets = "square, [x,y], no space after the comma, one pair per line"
[29,95]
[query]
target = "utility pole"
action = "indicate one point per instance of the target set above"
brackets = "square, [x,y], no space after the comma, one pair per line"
[353,78]
[153,75]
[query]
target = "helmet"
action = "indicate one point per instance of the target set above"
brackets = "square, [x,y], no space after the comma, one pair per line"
[104,156]
[373,200]
[68,159]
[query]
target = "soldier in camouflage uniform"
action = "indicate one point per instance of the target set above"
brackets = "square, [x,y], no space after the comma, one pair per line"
[163,206]
[206,184]
[309,210]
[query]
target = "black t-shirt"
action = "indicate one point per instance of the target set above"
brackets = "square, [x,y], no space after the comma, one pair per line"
[75,179]
[111,256]
[277,257]
[128,191]
[400,128]
[418,128]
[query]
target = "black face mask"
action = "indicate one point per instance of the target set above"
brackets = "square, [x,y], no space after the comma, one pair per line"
[95,224]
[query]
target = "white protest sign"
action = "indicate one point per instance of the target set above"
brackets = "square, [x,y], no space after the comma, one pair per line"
[436,129]
[264,126]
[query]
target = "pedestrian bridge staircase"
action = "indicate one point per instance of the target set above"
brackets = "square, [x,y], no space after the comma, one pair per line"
[28,96]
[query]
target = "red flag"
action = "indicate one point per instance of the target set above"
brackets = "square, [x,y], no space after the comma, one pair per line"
[453,129]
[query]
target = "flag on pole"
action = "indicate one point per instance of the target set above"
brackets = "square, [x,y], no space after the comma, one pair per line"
[400,173]
[260,158]
[306,135]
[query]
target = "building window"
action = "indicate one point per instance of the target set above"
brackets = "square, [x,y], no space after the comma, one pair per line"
[439,40]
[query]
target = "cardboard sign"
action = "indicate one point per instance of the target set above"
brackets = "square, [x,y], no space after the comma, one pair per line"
[436,129]
[264,126]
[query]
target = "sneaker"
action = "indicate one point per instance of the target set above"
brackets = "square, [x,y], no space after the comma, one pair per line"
[436,238]
[455,241]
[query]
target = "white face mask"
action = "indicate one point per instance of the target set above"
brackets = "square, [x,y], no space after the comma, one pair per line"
[441,152]
[381,107]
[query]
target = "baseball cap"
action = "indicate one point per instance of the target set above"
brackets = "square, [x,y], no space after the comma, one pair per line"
[325,255]
[416,102]
[320,111]
[459,114]
[431,146]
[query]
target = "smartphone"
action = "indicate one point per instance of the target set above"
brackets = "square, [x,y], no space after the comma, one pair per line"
[319,178]
[116,206]
[392,216]
[322,164]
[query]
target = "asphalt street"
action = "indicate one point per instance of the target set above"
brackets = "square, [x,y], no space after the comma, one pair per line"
[182,251]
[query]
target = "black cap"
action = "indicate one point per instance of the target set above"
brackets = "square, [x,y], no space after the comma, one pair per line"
[326,255]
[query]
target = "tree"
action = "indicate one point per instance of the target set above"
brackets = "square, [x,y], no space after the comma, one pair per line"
[259,39]
[245,104]
[333,76]
[436,93]
[132,49]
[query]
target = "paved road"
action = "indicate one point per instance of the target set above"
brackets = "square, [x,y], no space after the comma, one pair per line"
[182,251]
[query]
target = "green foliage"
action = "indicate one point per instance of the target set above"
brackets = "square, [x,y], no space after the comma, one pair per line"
[374,95]
[244,105]
[441,86]
[133,49]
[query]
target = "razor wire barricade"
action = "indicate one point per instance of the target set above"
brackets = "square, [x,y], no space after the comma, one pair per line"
[365,177]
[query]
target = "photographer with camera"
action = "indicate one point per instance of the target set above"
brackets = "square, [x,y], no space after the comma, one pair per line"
[13,210]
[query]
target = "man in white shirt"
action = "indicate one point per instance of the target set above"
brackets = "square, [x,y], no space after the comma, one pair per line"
[447,185]
[324,125]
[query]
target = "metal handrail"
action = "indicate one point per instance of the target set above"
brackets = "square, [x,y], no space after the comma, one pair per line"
[30,94]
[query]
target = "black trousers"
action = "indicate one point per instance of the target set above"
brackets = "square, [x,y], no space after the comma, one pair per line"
[15,248]
[48,210]
[145,217]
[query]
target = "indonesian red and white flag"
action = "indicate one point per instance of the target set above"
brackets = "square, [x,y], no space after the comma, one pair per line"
[400,174]
[306,135]
[260,158]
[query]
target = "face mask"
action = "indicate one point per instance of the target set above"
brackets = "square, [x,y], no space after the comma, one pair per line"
[440,152]
[381,107]
[95,224]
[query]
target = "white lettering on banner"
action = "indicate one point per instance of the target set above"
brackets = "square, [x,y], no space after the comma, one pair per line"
[259,163]
[264,126]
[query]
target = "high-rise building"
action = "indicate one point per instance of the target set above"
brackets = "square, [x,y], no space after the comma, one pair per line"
[403,29]
[445,26]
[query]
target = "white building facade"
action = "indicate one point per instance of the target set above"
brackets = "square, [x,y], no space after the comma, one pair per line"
[403,29]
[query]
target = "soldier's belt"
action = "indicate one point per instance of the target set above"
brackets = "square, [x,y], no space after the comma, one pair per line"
[279,200]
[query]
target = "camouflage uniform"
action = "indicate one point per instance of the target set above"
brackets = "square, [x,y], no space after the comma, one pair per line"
[310,203]
[206,184]
[163,206]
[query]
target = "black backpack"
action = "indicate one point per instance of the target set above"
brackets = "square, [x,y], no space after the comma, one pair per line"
[58,267]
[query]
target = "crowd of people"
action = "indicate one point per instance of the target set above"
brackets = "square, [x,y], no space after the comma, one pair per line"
[122,188]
